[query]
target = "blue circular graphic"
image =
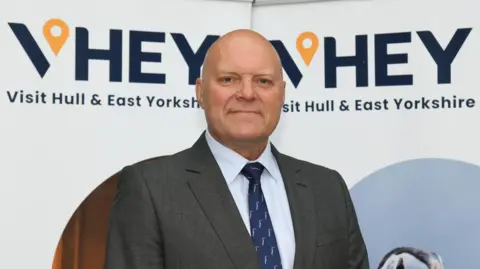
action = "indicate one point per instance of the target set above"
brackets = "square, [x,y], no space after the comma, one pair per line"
[429,204]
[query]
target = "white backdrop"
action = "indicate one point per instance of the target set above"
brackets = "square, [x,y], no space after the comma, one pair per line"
[54,155]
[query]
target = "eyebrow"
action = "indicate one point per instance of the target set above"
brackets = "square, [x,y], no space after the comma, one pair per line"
[236,73]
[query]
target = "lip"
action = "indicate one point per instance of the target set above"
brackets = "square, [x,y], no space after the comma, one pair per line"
[244,112]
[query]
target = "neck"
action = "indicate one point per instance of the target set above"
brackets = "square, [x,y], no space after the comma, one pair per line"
[247,150]
[250,150]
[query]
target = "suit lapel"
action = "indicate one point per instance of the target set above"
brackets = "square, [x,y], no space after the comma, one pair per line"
[211,191]
[302,209]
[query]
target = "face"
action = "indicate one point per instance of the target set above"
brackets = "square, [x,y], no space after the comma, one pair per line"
[242,90]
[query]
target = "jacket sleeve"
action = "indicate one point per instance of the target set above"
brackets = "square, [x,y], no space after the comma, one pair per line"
[357,252]
[133,239]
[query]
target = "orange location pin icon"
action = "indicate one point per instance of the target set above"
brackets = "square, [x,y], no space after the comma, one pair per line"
[57,40]
[307,52]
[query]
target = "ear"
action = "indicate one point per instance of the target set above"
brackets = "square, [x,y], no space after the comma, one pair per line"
[199,92]
[283,91]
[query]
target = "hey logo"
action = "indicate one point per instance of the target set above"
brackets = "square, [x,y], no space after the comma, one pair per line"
[114,55]
[31,48]
[442,55]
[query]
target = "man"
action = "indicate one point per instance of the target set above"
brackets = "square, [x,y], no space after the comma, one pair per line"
[232,200]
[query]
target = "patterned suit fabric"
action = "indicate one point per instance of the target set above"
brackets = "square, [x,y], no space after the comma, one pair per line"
[261,228]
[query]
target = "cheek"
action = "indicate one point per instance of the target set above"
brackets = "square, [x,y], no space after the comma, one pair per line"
[217,101]
[273,105]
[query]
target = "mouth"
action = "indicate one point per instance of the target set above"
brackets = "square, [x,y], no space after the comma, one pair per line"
[244,112]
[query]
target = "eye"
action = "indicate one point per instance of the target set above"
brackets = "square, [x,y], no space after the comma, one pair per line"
[226,80]
[265,81]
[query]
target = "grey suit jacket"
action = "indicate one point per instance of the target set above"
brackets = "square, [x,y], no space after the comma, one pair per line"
[176,212]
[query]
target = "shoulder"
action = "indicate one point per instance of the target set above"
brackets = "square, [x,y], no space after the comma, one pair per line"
[312,168]
[319,176]
[326,184]
[154,166]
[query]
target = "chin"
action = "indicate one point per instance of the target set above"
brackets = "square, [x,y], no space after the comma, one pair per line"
[248,134]
[246,130]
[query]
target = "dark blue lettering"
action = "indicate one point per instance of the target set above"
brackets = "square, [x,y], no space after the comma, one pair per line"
[193,60]
[288,64]
[31,48]
[383,59]
[444,57]
[359,61]
[137,56]
[83,54]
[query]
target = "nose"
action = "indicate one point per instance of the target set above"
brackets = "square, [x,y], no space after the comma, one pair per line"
[246,90]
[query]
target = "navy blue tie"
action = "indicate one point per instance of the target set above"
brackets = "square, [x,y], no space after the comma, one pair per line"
[261,228]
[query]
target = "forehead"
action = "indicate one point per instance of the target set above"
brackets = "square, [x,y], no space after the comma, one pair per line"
[246,56]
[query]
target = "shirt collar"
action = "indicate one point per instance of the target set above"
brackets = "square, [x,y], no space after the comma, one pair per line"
[232,163]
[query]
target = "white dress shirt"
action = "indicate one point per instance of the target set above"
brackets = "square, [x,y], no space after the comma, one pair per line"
[231,163]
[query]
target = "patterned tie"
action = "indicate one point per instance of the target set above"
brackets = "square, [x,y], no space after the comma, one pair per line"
[261,227]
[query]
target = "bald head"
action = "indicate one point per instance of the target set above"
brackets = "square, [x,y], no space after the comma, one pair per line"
[237,41]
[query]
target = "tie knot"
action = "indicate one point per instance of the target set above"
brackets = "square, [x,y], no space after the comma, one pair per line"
[253,171]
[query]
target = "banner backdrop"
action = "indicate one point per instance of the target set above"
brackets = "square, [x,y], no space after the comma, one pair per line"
[384,92]
[140,59]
